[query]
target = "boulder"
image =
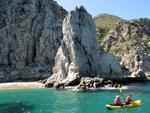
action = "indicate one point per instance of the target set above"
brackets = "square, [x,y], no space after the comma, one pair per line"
[58,85]
[139,74]
[73,82]
[88,82]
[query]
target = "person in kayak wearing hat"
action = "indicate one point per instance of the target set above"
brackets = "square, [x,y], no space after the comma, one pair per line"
[117,101]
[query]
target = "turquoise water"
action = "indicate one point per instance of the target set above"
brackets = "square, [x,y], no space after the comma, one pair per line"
[64,101]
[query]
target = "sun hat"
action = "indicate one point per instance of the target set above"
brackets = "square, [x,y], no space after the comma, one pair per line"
[117,96]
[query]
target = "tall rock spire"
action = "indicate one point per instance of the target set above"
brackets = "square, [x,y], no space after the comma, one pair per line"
[78,54]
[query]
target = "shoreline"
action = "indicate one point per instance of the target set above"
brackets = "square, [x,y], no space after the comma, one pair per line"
[20,85]
[36,84]
[29,85]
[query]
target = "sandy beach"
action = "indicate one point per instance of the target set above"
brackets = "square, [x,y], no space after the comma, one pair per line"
[20,85]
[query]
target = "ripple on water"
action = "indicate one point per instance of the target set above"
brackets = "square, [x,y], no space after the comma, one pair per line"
[16,107]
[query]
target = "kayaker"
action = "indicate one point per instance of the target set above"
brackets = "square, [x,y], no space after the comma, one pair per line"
[128,99]
[117,101]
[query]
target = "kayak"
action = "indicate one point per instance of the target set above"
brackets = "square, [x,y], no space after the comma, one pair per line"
[133,104]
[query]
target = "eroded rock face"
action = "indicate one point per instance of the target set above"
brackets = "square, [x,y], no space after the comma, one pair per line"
[78,54]
[110,66]
[130,39]
[30,34]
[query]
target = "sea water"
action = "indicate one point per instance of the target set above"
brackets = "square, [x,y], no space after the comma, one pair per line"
[46,100]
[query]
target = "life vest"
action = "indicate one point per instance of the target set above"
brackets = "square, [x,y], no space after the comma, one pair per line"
[117,101]
[128,99]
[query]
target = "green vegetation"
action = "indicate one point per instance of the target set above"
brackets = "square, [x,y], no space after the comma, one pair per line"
[133,35]
[116,50]
[104,22]
[101,33]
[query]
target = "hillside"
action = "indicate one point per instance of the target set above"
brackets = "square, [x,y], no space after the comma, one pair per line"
[128,34]
[104,22]
[128,39]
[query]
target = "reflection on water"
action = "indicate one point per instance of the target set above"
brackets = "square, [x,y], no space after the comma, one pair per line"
[17,107]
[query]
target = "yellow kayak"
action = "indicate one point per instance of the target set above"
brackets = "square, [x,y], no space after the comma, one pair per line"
[133,104]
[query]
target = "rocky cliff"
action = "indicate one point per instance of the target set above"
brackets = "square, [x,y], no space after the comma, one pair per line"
[78,55]
[36,34]
[130,42]
[30,34]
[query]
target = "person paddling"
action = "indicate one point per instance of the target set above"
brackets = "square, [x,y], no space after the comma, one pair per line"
[128,99]
[117,101]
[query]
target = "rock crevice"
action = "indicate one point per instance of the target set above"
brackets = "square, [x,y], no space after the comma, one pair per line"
[30,34]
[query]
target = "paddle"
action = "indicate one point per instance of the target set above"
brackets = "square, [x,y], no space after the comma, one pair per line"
[122,97]
[121,92]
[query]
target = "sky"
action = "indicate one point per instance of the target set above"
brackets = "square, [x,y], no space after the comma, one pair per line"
[127,9]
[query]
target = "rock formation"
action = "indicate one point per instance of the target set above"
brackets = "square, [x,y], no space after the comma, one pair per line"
[30,34]
[78,55]
[129,41]
[110,66]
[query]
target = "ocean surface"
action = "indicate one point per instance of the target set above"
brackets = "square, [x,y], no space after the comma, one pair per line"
[45,100]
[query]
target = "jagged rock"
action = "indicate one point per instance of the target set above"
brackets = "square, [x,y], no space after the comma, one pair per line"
[147,74]
[139,74]
[130,61]
[58,85]
[30,34]
[87,82]
[116,85]
[78,54]
[73,82]
[108,82]
[49,84]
